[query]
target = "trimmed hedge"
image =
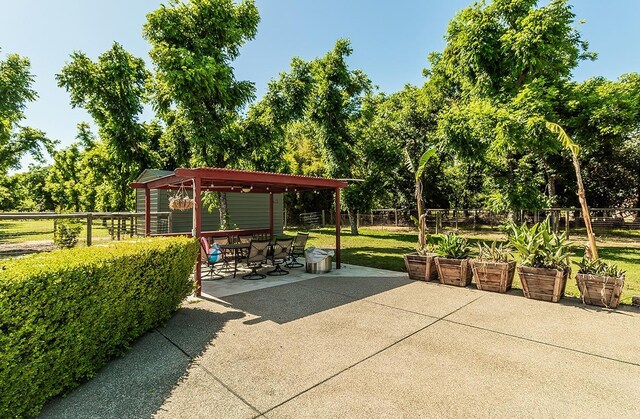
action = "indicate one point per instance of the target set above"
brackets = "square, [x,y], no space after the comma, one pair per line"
[64,314]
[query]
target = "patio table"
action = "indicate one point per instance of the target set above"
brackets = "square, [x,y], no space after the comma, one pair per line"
[236,248]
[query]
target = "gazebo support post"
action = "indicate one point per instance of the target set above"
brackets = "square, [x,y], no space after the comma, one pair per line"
[271,215]
[147,212]
[337,228]
[197,232]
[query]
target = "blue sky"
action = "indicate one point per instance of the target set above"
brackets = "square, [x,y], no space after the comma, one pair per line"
[391,40]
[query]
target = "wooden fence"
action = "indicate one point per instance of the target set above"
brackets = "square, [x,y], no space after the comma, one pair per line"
[118,224]
[440,219]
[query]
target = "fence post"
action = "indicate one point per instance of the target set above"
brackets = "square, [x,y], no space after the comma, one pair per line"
[358,220]
[395,211]
[567,224]
[89,222]
[437,221]
[372,217]
[323,219]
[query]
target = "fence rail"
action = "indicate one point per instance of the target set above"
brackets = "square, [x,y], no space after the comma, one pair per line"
[440,219]
[118,224]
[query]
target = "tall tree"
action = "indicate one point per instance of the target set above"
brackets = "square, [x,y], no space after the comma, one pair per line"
[508,62]
[193,46]
[112,90]
[15,93]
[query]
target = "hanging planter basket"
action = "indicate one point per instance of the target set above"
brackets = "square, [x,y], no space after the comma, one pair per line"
[180,201]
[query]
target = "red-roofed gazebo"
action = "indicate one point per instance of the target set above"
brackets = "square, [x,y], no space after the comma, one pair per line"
[210,179]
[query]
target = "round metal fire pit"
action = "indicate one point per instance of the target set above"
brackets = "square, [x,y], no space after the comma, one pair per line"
[320,267]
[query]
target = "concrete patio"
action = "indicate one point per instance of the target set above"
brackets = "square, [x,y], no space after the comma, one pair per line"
[361,342]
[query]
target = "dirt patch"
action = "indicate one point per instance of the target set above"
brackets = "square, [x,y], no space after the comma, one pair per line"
[8,250]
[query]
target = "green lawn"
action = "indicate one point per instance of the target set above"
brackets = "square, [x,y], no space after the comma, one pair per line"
[384,249]
[17,231]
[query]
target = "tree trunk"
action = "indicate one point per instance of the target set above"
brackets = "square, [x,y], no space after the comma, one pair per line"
[421,222]
[592,250]
[224,212]
[353,222]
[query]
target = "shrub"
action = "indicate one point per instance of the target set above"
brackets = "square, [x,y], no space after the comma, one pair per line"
[494,252]
[539,246]
[452,246]
[64,314]
[599,267]
[65,236]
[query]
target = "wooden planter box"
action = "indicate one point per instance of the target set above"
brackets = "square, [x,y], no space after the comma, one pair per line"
[421,267]
[493,276]
[542,283]
[455,272]
[599,290]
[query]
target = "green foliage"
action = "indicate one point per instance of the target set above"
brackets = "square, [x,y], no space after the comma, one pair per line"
[599,267]
[112,91]
[494,252]
[64,314]
[539,246]
[430,246]
[15,92]
[65,236]
[452,246]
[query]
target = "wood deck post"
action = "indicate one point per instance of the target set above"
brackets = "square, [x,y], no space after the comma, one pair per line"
[147,212]
[338,261]
[89,225]
[197,232]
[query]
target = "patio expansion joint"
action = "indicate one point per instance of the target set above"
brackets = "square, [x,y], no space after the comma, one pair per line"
[212,375]
[366,300]
[378,352]
[635,364]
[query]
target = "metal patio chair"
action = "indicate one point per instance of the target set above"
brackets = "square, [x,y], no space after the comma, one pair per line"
[297,250]
[279,255]
[214,258]
[258,253]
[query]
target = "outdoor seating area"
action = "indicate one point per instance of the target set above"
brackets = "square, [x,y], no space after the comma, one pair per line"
[229,254]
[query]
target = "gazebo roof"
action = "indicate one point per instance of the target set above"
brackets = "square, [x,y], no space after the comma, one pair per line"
[231,180]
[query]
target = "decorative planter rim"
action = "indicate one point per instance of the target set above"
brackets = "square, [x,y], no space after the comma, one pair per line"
[488,262]
[453,260]
[613,278]
[566,269]
[418,254]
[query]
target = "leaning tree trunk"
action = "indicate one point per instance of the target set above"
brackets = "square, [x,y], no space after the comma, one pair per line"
[353,222]
[592,251]
[421,222]
[224,211]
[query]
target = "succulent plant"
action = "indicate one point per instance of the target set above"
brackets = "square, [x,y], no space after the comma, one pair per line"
[599,267]
[452,246]
[539,246]
[494,252]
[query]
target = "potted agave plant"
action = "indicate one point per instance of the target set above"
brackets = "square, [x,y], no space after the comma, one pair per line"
[493,269]
[453,260]
[544,267]
[600,283]
[420,264]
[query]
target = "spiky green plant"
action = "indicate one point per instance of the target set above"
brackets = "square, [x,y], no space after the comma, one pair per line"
[539,246]
[452,246]
[599,267]
[494,252]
